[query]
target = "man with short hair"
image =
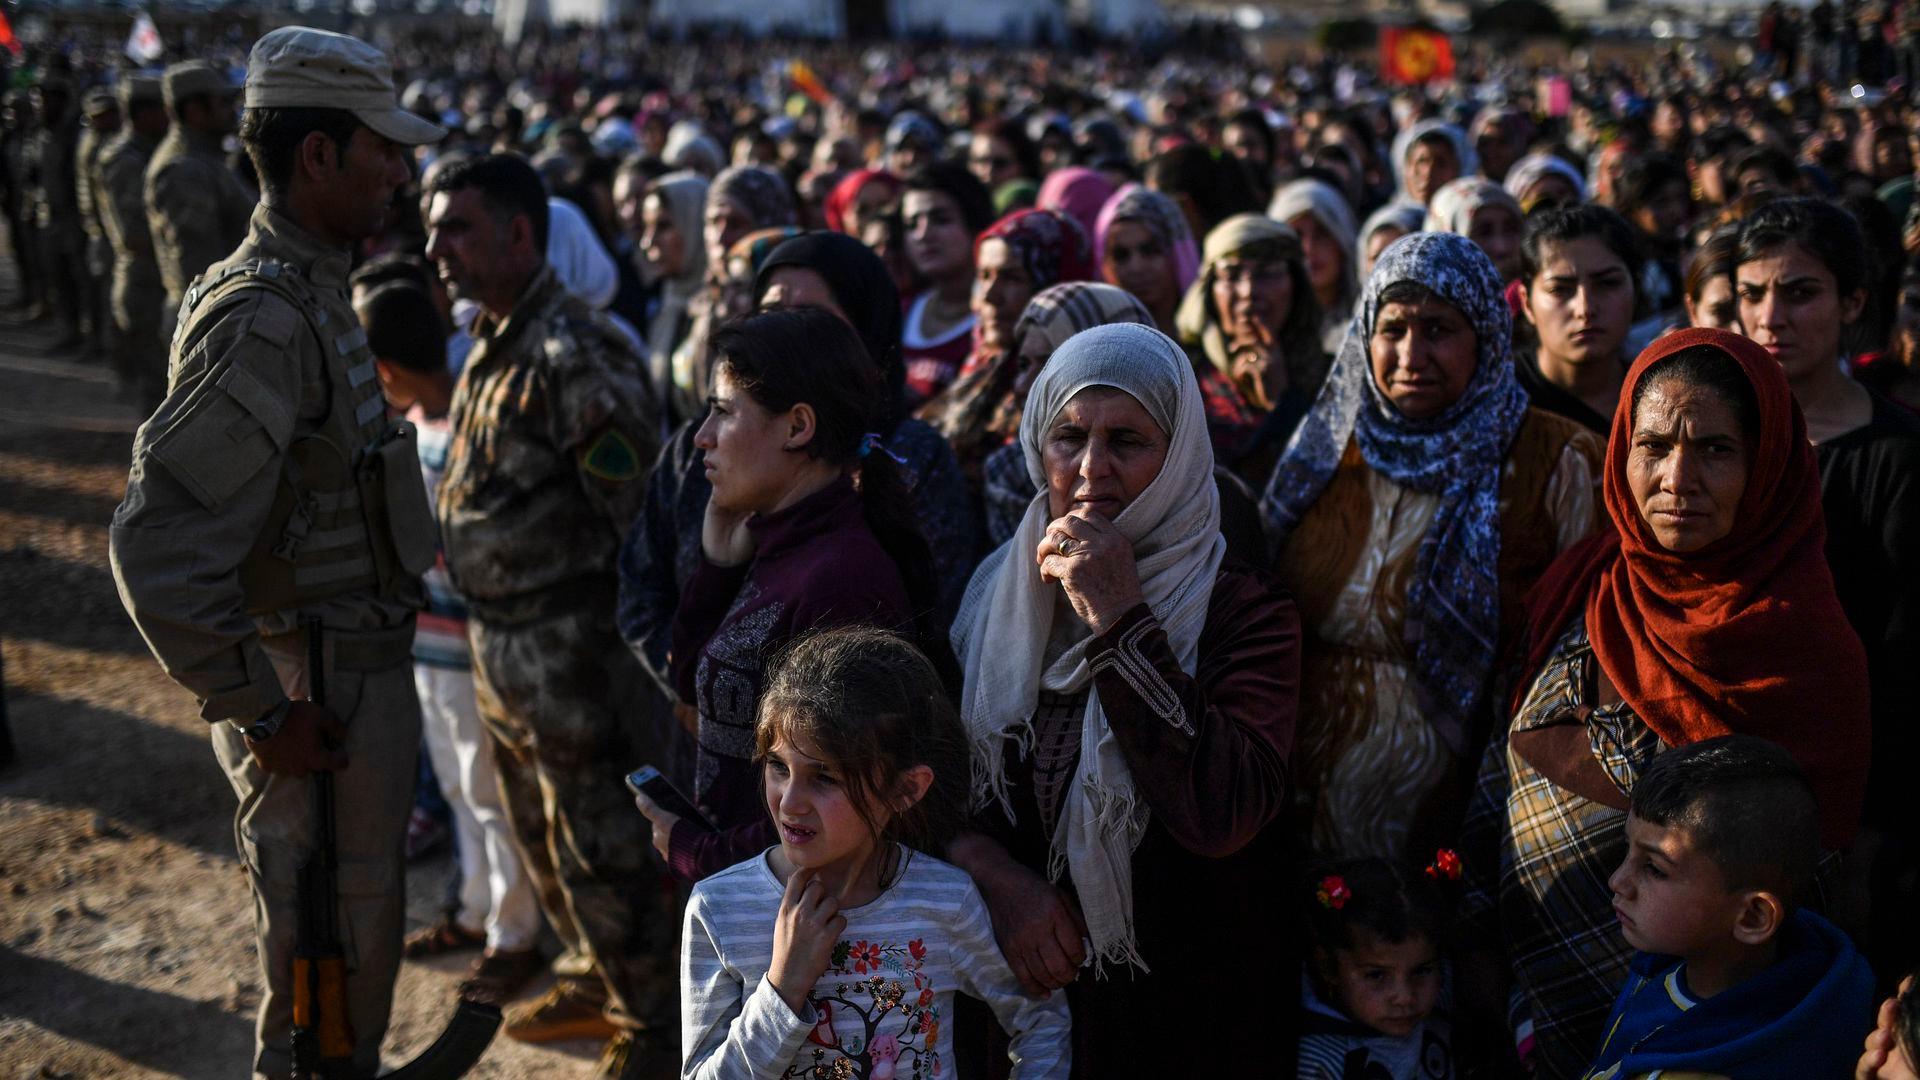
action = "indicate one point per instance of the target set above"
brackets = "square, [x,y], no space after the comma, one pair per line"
[135,295]
[197,209]
[554,431]
[269,491]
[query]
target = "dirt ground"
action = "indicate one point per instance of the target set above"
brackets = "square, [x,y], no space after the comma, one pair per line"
[126,947]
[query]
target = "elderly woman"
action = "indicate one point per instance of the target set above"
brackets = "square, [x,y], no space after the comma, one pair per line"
[1705,608]
[1130,693]
[1324,219]
[1252,316]
[1016,257]
[1142,244]
[1419,500]
[739,201]
[1483,212]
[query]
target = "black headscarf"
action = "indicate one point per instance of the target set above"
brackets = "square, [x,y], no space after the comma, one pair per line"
[864,290]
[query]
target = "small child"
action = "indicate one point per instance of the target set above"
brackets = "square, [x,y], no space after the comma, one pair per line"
[1731,979]
[838,952]
[1375,977]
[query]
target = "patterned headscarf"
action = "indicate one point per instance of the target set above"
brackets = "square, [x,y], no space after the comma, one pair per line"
[1062,311]
[1079,192]
[1048,243]
[759,191]
[1533,168]
[1453,602]
[1159,214]
[1453,206]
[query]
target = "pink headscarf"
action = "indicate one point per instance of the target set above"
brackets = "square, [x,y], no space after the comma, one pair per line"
[1156,212]
[1076,192]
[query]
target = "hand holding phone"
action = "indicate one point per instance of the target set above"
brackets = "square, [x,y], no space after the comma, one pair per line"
[650,782]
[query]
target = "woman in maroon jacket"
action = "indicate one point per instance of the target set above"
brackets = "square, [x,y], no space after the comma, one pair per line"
[1130,693]
[790,544]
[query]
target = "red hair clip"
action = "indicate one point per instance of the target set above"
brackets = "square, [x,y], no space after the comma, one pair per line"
[1333,893]
[1446,864]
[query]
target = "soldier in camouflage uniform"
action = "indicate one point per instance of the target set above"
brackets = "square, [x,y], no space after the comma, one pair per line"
[196,209]
[270,488]
[119,197]
[102,113]
[554,430]
[56,211]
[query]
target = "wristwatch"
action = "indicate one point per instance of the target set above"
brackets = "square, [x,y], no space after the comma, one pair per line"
[269,723]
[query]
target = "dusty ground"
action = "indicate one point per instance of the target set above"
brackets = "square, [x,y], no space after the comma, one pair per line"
[125,930]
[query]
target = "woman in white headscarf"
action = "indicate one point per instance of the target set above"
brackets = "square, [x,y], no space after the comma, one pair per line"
[671,220]
[1329,238]
[1130,695]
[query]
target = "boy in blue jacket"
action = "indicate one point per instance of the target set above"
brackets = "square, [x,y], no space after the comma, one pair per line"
[1731,979]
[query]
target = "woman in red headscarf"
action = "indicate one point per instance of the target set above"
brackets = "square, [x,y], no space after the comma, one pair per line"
[1707,609]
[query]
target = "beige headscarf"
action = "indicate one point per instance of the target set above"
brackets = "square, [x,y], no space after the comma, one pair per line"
[1015,636]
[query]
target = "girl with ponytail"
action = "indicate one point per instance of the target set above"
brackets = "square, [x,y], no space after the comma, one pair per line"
[810,525]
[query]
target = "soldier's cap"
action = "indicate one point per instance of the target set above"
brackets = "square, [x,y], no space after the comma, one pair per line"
[99,100]
[138,88]
[192,78]
[300,67]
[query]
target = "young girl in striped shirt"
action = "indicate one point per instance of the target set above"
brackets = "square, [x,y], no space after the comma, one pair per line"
[838,952]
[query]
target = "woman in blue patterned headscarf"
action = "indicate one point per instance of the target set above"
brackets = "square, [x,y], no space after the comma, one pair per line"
[1417,502]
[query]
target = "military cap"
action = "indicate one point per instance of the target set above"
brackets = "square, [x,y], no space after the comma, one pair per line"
[191,78]
[300,67]
[138,88]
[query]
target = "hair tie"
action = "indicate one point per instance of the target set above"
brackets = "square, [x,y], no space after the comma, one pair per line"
[871,442]
[1446,864]
[1333,893]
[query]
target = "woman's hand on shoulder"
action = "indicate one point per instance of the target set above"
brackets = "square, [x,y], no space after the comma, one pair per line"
[1093,561]
[724,537]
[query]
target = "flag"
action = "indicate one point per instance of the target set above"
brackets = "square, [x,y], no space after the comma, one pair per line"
[6,35]
[144,45]
[805,81]
[1414,54]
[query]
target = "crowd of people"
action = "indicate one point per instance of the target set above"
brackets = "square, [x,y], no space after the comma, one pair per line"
[1085,534]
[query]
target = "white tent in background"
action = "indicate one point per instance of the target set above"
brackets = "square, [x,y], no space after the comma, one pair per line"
[512,17]
[963,20]
[816,18]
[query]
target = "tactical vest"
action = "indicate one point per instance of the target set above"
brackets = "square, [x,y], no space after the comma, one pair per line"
[350,513]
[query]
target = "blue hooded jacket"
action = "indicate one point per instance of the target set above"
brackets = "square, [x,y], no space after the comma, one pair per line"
[1804,1016]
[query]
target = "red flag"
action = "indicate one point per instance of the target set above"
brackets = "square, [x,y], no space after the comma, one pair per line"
[808,83]
[1414,54]
[6,35]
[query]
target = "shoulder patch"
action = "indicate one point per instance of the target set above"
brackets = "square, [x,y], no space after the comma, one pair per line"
[611,457]
[274,320]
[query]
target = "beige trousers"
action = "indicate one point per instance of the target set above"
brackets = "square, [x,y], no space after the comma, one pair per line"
[274,830]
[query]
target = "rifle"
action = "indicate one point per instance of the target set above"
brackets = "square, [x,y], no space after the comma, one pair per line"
[322,1039]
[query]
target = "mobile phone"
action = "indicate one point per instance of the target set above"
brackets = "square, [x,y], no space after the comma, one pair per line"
[652,783]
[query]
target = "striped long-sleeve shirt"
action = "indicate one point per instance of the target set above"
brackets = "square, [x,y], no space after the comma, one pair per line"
[885,1004]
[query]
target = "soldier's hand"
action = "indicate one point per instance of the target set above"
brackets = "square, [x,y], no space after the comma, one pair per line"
[310,739]
[724,538]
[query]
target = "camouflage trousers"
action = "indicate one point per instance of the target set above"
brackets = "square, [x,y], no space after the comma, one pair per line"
[561,698]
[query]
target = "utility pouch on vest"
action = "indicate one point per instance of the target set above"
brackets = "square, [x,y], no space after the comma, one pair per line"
[395,499]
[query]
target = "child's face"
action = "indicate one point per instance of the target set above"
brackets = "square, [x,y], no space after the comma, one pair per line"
[1390,987]
[1670,898]
[806,796]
